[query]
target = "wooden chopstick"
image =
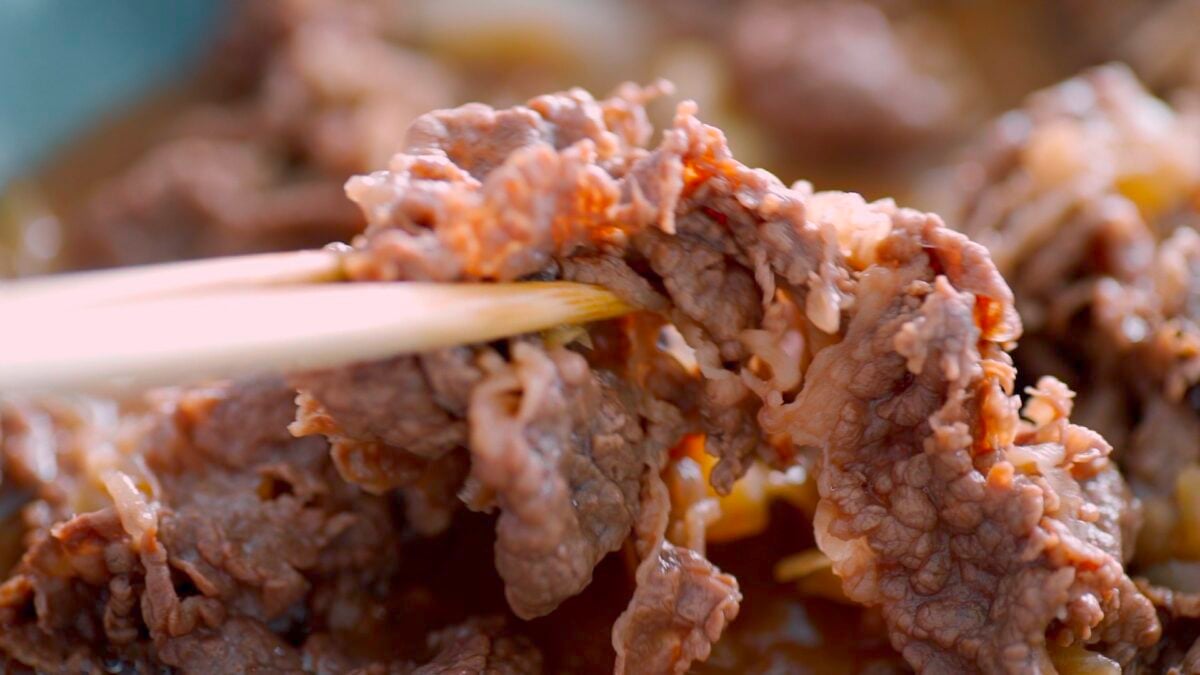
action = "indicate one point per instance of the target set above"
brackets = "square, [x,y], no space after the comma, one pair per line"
[78,289]
[149,327]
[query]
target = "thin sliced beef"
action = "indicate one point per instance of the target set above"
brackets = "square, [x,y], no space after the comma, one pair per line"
[396,403]
[982,537]
[558,448]
[205,196]
[1085,198]
[579,183]
[397,424]
[562,451]
[976,535]
[681,607]
[194,532]
[237,646]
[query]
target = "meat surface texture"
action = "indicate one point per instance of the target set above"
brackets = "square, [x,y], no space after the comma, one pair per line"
[550,502]
[984,537]
[199,535]
[1086,199]
[249,525]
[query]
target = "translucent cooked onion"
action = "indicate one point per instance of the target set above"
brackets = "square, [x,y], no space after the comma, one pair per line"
[1077,660]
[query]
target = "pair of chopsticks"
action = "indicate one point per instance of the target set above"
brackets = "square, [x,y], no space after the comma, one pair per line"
[229,316]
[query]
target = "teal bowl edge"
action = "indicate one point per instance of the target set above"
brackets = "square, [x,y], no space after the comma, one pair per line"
[66,63]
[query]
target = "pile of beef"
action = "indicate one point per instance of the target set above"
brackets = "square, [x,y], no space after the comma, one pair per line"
[1089,200]
[195,533]
[869,338]
[505,507]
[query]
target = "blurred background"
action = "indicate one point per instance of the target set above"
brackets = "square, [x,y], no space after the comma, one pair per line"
[271,104]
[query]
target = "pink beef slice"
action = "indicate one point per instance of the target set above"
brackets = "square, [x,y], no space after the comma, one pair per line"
[1105,272]
[565,467]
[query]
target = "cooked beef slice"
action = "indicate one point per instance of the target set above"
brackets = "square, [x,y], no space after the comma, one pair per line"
[1078,183]
[408,402]
[196,533]
[975,543]
[845,86]
[600,193]
[681,607]
[1086,199]
[681,602]
[562,450]
[398,425]
[1177,652]
[982,537]
[202,197]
